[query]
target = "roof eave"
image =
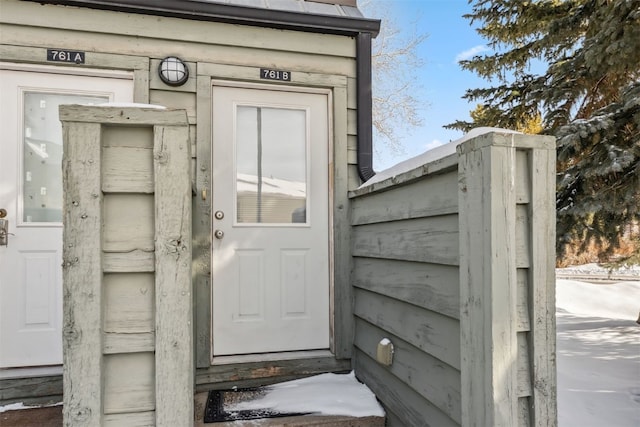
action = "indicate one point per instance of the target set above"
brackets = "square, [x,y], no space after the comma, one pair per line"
[233,14]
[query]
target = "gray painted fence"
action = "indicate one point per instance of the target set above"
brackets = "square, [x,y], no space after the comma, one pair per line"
[128,333]
[452,266]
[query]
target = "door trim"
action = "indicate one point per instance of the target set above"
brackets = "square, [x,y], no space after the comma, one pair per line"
[74,71]
[287,355]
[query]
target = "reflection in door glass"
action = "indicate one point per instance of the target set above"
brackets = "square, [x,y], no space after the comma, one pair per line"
[271,165]
[42,145]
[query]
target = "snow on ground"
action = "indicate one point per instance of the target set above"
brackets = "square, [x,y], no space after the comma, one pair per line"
[598,350]
[326,394]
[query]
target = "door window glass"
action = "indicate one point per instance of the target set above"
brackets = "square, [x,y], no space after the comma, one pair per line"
[42,154]
[271,165]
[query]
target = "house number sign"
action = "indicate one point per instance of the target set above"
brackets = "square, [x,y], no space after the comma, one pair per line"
[269,74]
[61,55]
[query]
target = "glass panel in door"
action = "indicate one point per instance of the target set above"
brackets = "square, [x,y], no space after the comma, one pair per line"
[42,154]
[271,165]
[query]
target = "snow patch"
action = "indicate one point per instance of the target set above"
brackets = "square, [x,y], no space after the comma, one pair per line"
[631,271]
[612,301]
[131,105]
[598,352]
[20,405]
[431,155]
[326,394]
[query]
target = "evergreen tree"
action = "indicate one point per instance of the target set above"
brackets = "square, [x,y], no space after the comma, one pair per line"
[588,95]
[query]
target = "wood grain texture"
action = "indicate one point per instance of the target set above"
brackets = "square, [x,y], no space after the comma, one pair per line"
[431,332]
[248,73]
[434,195]
[202,225]
[340,234]
[435,381]
[128,302]
[251,374]
[488,285]
[95,60]
[139,26]
[135,116]
[129,382]
[137,419]
[542,289]
[430,286]
[128,223]
[178,100]
[433,240]
[114,342]
[145,352]
[174,312]
[507,233]
[522,295]
[82,275]
[36,390]
[135,261]
[523,365]
[406,404]
[195,51]
[443,165]
[127,161]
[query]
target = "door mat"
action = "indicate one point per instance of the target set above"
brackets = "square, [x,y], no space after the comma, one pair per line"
[220,404]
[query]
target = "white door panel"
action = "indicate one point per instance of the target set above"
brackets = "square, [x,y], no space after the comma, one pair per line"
[270,188]
[31,194]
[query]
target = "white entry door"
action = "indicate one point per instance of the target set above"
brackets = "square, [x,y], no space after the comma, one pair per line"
[31,196]
[270,220]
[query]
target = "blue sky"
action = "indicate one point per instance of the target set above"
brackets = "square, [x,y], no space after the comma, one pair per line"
[450,37]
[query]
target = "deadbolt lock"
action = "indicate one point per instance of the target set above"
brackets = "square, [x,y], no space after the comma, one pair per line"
[4,232]
[3,213]
[219,214]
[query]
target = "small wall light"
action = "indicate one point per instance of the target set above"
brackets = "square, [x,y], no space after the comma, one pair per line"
[173,71]
[384,354]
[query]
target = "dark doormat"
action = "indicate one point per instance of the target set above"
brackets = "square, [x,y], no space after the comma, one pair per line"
[220,403]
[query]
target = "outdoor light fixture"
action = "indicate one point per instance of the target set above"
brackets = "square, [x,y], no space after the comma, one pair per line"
[173,71]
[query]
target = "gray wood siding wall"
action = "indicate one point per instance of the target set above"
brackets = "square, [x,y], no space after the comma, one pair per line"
[453,263]
[127,268]
[405,276]
[213,51]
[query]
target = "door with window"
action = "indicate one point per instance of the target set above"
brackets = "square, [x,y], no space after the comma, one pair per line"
[270,255]
[31,200]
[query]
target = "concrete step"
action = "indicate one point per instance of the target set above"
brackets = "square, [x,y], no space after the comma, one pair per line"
[297,421]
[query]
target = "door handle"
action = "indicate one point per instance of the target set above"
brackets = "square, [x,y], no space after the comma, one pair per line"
[219,234]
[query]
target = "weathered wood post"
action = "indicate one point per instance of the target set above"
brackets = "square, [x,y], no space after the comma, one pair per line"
[507,286]
[128,340]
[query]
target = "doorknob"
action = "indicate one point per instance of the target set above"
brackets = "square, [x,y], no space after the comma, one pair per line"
[219,234]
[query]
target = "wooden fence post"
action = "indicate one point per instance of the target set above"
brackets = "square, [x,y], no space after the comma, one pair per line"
[128,334]
[507,246]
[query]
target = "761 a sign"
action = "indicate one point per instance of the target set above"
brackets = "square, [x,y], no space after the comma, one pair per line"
[61,55]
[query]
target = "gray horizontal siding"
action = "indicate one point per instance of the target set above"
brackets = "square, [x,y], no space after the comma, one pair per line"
[406,288]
